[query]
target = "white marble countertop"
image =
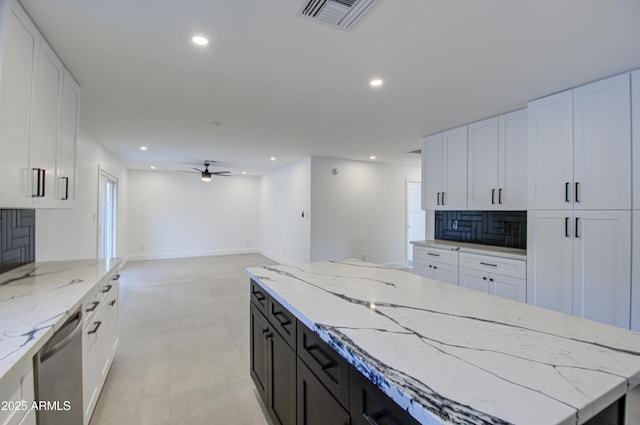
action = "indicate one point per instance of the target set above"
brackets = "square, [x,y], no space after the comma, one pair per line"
[36,299]
[474,248]
[456,356]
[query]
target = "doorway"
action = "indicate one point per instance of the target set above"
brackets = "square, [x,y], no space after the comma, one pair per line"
[107,216]
[415,217]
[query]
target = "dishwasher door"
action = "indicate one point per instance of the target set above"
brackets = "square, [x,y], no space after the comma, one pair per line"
[58,375]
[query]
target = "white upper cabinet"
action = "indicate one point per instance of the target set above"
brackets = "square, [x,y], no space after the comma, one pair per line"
[550,151]
[635,129]
[580,148]
[45,103]
[497,163]
[67,140]
[635,279]
[38,117]
[602,144]
[444,170]
[19,41]
[483,165]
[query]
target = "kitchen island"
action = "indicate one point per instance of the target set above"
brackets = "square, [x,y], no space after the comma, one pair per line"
[449,355]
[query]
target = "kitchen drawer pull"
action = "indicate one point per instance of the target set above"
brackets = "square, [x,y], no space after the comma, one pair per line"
[259,295]
[93,307]
[322,359]
[283,322]
[106,289]
[433,254]
[116,277]
[65,197]
[96,327]
[488,264]
[383,413]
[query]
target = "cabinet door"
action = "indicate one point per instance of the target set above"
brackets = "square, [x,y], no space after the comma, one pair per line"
[423,269]
[282,381]
[445,273]
[89,372]
[431,171]
[508,287]
[19,38]
[454,173]
[47,91]
[67,142]
[602,145]
[550,152]
[483,165]
[635,129]
[602,266]
[635,267]
[512,160]
[549,260]
[474,279]
[316,405]
[259,364]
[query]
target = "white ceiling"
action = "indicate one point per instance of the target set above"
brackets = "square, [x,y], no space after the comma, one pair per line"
[283,86]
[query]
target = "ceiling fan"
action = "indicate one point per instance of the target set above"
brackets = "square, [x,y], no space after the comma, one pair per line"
[205,175]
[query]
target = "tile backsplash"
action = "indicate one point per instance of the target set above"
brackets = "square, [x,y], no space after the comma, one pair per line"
[497,228]
[17,238]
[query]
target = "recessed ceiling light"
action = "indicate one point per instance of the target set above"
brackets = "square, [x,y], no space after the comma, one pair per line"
[244,173]
[153,167]
[273,158]
[143,148]
[199,40]
[372,157]
[376,82]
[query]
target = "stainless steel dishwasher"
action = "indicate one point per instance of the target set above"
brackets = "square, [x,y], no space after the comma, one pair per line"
[58,375]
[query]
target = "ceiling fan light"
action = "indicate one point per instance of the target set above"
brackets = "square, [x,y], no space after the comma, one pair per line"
[206,178]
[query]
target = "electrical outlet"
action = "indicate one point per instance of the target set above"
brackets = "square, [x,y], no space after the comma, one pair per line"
[455,225]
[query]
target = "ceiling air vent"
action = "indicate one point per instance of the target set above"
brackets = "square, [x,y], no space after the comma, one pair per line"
[343,14]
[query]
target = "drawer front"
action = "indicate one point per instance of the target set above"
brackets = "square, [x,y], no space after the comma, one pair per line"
[423,254]
[282,321]
[497,265]
[259,297]
[327,365]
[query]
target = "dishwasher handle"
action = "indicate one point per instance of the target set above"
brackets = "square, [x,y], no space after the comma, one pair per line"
[70,329]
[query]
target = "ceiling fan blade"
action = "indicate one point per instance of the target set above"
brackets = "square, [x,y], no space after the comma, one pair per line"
[187,171]
[200,171]
[221,173]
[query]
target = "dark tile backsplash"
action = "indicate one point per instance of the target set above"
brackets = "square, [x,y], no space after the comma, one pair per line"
[498,228]
[17,238]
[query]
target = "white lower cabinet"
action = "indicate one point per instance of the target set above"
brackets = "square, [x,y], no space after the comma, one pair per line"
[579,262]
[437,264]
[503,277]
[100,338]
[18,397]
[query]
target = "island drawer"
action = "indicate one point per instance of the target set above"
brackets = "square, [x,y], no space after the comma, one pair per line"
[445,256]
[496,265]
[259,297]
[283,322]
[327,365]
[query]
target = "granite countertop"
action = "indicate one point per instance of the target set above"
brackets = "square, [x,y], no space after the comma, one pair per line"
[456,356]
[36,299]
[474,248]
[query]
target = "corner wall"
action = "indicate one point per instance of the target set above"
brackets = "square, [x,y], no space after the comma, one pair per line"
[72,234]
[359,210]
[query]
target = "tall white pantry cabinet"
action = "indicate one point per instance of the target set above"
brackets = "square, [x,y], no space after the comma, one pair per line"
[635,135]
[579,218]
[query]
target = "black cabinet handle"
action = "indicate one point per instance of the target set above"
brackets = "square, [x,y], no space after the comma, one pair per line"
[116,277]
[95,328]
[490,279]
[488,264]
[576,229]
[382,414]
[94,305]
[500,196]
[566,227]
[112,303]
[566,192]
[37,173]
[434,267]
[258,295]
[576,196]
[443,199]
[65,197]
[283,322]
[433,254]
[44,172]
[106,289]
[438,198]
[324,360]
[493,196]
[430,266]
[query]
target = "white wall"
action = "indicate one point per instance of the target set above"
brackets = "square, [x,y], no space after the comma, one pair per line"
[284,195]
[73,233]
[174,214]
[360,212]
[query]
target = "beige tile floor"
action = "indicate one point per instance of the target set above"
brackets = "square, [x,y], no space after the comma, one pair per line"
[184,349]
